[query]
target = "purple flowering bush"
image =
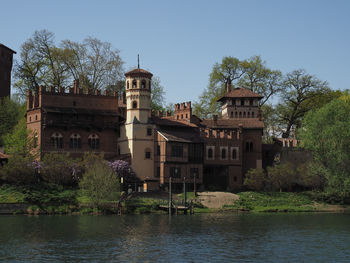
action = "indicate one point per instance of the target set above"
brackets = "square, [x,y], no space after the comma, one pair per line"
[122,169]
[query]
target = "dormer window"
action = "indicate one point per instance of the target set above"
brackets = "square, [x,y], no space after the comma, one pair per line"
[134,84]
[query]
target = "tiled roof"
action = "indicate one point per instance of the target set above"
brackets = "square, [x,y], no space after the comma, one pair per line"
[138,71]
[187,136]
[169,121]
[234,123]
[241,93]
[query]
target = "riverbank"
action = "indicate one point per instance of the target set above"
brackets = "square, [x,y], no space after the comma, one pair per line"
[52,199]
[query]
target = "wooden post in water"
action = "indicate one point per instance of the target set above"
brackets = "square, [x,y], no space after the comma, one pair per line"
[185,192]
[170,196]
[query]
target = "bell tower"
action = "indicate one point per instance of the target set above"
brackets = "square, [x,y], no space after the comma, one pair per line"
[137,133]
[138,95]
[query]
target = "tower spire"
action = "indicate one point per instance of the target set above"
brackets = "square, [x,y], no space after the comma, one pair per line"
[138,61]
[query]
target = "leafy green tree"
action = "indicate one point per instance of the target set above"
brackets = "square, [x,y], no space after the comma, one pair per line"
[260,79]
[251,73]
[255,179]
[10,113]
[299,90]
[281,176]
[100,183]
[326,133]
[229,70]
[157,95]
[94,63]
[20,140]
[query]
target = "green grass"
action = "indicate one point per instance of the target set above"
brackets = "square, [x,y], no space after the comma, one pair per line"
[273,202]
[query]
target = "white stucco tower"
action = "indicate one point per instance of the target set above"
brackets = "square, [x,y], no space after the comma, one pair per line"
[137,135]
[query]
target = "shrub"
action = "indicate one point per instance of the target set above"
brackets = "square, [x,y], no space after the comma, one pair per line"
[19,170]
[281,176]
[100,183]
[255,179]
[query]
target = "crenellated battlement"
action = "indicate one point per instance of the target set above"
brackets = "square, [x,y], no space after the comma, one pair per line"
[183,111]
[73,96]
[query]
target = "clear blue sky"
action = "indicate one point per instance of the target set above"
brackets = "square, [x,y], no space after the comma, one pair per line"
[180,41]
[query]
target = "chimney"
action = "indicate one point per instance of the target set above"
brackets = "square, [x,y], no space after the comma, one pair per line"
[228,85]
[76,86]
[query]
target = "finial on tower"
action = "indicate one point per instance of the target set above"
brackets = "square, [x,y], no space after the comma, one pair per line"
[138,61]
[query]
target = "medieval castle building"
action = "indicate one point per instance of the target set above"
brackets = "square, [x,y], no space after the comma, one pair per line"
[212,153]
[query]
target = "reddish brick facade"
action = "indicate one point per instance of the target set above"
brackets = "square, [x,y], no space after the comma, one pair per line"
[6,60]
[73,121]
[212,153]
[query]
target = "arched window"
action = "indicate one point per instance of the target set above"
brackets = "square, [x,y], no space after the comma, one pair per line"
[56,140]
[240,114]
[251,147]
[242,102]
[143,84]
[248,114]
[253,114]
[210,153]
[223,153]
[134,84]
[234,154]
[243,114]
[251,102]
[231,114]
[236,114]
[134,104]
[247,146]
[127,85]
[94,141]
[75,141]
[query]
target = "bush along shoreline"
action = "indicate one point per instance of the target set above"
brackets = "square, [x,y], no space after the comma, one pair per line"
[57,200]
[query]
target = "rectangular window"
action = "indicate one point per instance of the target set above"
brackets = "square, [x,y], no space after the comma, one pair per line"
[175,172]
[158,150]
[158,172]
[194,172]
[148,155]
[149,131]
[195,153]
[176,151]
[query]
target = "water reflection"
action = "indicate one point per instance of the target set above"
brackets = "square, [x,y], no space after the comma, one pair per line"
[158,238]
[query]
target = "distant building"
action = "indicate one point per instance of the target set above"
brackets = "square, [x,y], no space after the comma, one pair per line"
[212,153]
[6,60]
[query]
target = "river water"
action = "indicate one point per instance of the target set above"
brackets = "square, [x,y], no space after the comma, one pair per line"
[286,237]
